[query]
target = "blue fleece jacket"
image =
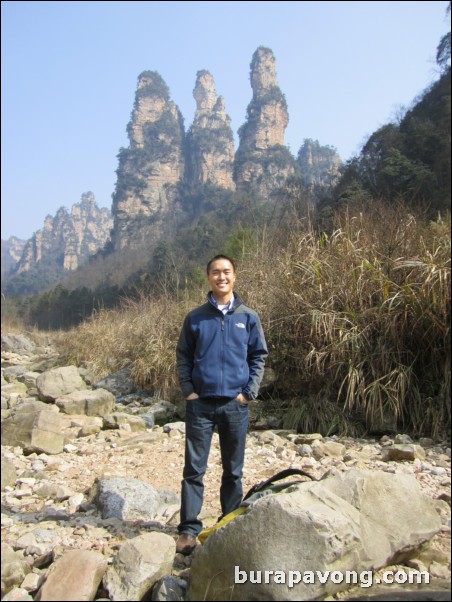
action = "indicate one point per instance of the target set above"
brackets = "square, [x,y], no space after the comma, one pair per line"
[221,355]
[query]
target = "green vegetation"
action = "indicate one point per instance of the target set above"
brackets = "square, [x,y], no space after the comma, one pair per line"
[254,110]
[209,141]
[155,87]
[161,138]
[277,155]
[410,160]
[161,135]
[319,165]
[256,57]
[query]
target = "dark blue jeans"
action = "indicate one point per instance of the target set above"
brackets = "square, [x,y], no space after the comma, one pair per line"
[231,418]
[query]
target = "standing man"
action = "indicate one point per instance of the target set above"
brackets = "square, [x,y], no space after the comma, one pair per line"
[220,362]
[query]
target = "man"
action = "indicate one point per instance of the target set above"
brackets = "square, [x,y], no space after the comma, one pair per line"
[220,362]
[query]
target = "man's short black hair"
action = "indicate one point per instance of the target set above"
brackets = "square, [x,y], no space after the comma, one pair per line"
[231,261]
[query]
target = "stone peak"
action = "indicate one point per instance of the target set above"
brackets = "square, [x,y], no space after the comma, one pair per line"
[152,83]
[263,70]
[204,92]
[88,198]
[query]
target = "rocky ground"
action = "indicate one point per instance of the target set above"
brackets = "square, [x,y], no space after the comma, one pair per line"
[47,507]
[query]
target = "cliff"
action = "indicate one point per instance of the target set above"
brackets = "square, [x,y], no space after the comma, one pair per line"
[210,141]
[262,162]
[12,250]
[68,239]
[319,165]
[151,167]
[166,178]
[64,243]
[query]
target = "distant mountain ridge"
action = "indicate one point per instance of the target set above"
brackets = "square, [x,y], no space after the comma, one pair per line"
[167,178]
[12,250]
[65,242]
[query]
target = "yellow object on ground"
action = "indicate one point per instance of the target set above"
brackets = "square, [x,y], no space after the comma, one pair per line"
[224,521]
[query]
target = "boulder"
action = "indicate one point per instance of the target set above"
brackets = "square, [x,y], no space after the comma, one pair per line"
[115,420]
[58,382]
[28,378]
[9,474]
[14,568]
[355,521]
[97,402]
[74,576]
[139,564]
[325,447]
[131,499]
[34,429]
[402,452]
[118,383]
[18,594]
[162,411]
[269,379]
[13,372]
[169,588]
[17,343]
[14,389]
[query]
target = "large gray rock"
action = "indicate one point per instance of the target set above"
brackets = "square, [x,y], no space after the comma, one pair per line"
[118,383]
[98,402]
[169,588]
[163,412]
[351,522]
[14,389]
[268,380]
[115,420]
[13,372]
[18,594]
[9,474]
[34,429]
[28,378]
[14,568]
[58,382]
[401,452]
[74,576]
[131,499]
[17,343]
[139,564]
[323,448]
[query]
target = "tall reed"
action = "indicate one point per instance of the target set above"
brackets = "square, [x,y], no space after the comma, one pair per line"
[359,318]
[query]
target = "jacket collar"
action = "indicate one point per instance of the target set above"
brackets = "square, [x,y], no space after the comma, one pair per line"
[237,301]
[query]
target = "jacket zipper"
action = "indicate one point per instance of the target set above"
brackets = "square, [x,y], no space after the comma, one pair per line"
[222,354]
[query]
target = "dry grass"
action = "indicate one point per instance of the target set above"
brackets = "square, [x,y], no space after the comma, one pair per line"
[361,318]
[357,322]
[141,335]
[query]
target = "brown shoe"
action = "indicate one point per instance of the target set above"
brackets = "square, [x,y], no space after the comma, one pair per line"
[185,544]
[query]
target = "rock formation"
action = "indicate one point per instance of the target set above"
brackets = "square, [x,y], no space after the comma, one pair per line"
[262,161]
[167,181]
[151,167]
[12,250]
[68,239]
[319,165]
[210,142]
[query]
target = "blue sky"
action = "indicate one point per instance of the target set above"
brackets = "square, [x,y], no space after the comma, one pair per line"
[70,69]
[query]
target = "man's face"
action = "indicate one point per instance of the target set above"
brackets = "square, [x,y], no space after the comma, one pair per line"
[221,277]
